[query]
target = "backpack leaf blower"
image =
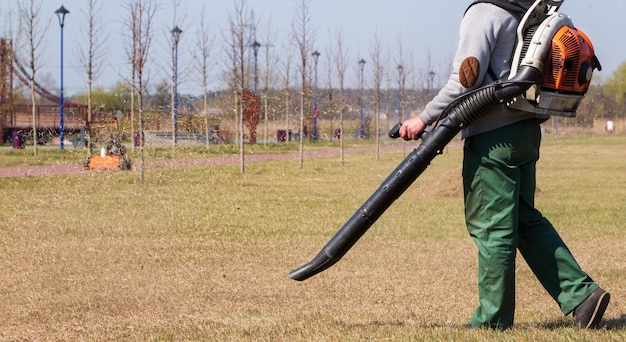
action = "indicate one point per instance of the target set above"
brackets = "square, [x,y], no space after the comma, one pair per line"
[544,67]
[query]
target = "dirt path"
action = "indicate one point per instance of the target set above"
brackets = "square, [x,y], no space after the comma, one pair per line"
[26,171]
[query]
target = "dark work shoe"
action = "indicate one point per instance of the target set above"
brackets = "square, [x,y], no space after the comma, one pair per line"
[588,314]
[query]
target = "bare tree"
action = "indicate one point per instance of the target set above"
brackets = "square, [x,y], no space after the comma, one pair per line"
[140,22]
[204,43]
[302,36]
[341,65]
[402,71]
[29,22]
[231,76]
[287,61]
[270,62]
[378,71]
[413,98]
[238,24]
[331,112]
[132,25]
[92,56]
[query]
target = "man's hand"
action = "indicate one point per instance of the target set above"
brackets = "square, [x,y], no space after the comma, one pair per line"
[411,129]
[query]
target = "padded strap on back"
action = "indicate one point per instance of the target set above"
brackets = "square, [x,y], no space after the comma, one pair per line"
[511,6]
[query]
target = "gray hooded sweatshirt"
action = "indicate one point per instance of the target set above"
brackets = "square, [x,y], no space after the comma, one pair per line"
[487,39]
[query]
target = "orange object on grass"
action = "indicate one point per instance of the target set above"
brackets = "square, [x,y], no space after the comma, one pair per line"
[106,162]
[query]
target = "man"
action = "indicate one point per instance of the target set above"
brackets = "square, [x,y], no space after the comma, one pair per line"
[500,153]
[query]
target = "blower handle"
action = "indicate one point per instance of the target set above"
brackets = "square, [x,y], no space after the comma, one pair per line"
[394,132]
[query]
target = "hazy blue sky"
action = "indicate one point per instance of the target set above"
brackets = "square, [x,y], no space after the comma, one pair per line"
[421,27]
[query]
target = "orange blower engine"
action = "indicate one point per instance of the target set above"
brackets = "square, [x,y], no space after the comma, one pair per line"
[549,41]
[571,62]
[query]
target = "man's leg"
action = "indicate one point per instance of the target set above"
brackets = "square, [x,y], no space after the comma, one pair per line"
[490,186]
[546,253]
[551,261]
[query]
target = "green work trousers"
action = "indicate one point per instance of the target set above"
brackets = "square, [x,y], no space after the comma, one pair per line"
[499,188]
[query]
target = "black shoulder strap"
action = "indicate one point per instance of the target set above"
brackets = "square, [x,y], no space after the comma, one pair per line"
[514,8]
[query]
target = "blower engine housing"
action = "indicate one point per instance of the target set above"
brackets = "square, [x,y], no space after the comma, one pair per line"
[548,41]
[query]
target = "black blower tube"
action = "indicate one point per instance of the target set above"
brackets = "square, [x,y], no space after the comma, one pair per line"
[460,115]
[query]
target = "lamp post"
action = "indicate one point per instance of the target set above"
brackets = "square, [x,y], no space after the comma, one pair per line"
[316,55]
[61,12]
[176,31]
[255,47]
[362,64]
[400,69]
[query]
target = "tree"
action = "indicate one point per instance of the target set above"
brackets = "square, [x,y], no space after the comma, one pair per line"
[615,90]
[92,57]
[378,70]
[162,97]
[269,62]
[329,69]
[107,100]
[341,65]
[287,62]
[29,21]
[204,44]
[238,30]
[402,70]
[140,23]
[302,35]
[251,110]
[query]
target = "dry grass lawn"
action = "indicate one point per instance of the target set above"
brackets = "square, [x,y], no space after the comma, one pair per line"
[203,252]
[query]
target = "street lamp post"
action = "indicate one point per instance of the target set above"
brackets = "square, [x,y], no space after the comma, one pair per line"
[255,47]
[316,55]
[362,64]
[61,12]
[400,69]
[176,32]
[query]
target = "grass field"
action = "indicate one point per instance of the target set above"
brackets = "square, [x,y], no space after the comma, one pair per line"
[203,252]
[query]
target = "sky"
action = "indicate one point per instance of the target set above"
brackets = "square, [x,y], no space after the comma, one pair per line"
[425,32]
